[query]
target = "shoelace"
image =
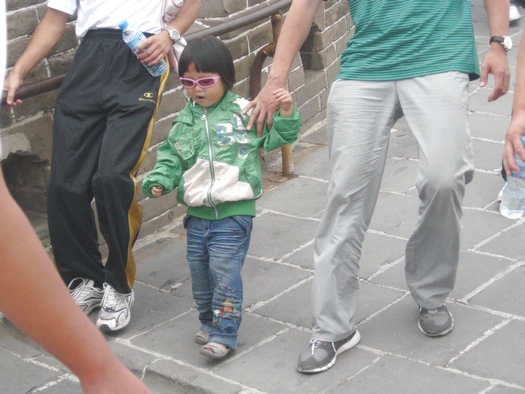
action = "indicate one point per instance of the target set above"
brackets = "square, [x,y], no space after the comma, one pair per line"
[111,297]
[81,290]
[315,344]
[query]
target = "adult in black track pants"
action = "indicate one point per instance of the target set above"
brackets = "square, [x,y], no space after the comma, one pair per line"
[104,116]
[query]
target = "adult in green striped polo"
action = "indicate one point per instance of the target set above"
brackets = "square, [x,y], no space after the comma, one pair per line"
[413,58]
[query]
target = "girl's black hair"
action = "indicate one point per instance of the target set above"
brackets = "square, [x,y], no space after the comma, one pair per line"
[210,55]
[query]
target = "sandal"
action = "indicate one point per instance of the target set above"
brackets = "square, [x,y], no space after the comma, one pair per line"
[202,337]
[215,350]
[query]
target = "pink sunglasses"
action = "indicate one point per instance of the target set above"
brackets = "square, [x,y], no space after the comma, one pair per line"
[206,82]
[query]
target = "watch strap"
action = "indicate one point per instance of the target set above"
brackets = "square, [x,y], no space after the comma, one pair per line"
[499,40]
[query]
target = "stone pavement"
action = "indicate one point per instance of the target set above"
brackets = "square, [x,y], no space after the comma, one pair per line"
[485,353]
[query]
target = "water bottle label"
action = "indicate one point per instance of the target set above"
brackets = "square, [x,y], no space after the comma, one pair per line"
[134,44]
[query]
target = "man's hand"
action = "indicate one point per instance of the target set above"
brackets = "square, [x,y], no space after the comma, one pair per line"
[264,106]
[155,48]
[496,63]
[11,85]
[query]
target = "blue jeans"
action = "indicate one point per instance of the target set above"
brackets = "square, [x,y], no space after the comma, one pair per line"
[216,253]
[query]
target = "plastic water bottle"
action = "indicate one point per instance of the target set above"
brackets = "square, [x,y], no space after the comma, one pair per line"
[133,38]
[513,199]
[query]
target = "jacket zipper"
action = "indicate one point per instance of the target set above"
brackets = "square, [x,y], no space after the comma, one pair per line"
[210,160]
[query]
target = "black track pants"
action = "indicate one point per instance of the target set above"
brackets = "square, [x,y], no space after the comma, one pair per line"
[103,121]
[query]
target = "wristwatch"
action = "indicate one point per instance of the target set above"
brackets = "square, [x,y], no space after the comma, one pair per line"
[174,34]
[506,41]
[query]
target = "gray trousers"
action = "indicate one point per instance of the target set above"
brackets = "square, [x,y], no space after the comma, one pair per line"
[360,116]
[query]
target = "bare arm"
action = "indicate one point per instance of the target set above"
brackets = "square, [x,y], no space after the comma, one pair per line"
[158,45]
[45,37]
[495,61]
[516,129]
[295,30]
[35,299]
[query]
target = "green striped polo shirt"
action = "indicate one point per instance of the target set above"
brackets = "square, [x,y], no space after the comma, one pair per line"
[400,39]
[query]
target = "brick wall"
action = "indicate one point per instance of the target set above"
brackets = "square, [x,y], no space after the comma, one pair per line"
[26,130]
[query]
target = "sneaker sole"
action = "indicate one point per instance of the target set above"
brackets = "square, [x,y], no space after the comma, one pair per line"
[201,340]
[87,311]
[439,334]
[347,346]
[105,327]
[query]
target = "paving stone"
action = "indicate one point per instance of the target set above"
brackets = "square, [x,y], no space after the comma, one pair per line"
[482,153]
[62,387]
[409,377]
[479,227]
[315,164]
[175,339]
[393,210]
[395,331]
[284,308]
[498,355]
[167,377]
[402,143]
[379,251]
[22,375]
[483,191]
[498,125]
[281,357]
[505,294]
[508,243]
[303,256]
[275,235]
[163,263]
[400,176]
[297,197]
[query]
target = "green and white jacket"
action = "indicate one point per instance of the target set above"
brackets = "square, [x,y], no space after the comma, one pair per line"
[213,159]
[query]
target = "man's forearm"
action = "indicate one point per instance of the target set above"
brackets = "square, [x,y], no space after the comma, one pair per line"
[518,105]
[293,34]
[498,15]
[186,16]
[46,35]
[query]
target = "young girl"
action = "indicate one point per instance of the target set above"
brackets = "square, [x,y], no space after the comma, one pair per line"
[213,160]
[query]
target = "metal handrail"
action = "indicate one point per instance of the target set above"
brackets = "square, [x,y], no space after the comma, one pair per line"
[46,85]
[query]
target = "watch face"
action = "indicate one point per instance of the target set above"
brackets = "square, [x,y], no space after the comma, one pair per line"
[507,43]
[174,34]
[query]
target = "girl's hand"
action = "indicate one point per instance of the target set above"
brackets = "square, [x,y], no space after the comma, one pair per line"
[283,97]
[156,191]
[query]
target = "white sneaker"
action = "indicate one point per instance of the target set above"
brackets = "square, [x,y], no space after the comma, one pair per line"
[85,294]
[514,14]
[115,311]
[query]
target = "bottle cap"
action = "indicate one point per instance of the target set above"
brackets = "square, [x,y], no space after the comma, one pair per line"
[123,25]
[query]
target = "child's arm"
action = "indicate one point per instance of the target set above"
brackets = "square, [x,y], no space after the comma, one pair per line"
[167,172]
[283,97]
